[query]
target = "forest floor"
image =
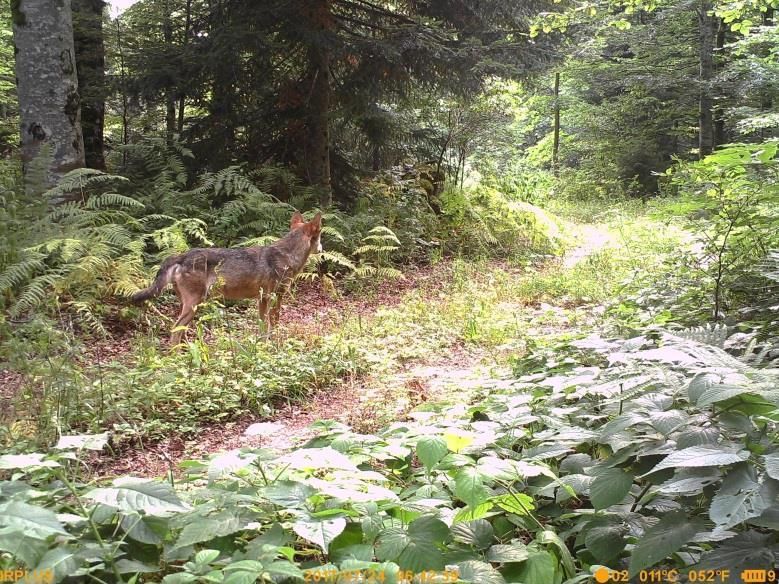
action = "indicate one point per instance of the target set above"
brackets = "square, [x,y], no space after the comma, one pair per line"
[530,308]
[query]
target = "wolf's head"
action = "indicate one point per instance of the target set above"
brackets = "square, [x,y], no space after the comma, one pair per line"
[312,230]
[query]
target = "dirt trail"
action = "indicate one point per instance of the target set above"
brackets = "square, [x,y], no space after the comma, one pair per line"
[451,376]
[593,238]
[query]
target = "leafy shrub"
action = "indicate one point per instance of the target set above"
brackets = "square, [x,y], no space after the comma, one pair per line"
[91,249]
[728,201]
[484,221]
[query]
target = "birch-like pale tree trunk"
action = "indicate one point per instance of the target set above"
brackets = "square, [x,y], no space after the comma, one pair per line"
[47,86]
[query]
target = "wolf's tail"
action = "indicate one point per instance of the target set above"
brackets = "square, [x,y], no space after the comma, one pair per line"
[161,280]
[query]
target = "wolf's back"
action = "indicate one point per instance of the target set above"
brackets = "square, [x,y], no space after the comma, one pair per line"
[161,280]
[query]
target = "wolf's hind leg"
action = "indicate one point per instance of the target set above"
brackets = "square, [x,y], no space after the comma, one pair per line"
[275,310]
[191,292]
[186,316]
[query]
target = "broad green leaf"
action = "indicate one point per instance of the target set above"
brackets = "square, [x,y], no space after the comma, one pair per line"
[320,533]
[699,385]
[547,537]
[290,494]
[457,442]
[202,529]
[206,556]
[517,503]
[476,533]
[575,463]
[689,482]
[180,578]
[744,551]
[228,463]
[469,487]
[145,528]
[415,549]
[604,539]
[391,543]
[243,572]
[668,421]
[697,436]
[285,569]
[31,520]
[539,568]
[620,423]
[349,539]
[610,486]
[22,546]
[772,465]
[720,392]
[125,566]
[134,495]
[408,552]
[505,554]
[83,441]
[661,540]
[700,456]
[430,528]
[316,458]
[61,561]
[431,449]
[741,497]
[471,513]
[769,518]
[25,461]
[478,573]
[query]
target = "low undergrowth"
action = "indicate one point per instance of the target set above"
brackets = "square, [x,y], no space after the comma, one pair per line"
[657,451]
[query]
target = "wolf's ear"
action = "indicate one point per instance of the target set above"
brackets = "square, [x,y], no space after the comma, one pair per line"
[297,221]
[316,222]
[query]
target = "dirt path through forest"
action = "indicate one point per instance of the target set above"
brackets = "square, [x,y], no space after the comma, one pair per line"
[449,376]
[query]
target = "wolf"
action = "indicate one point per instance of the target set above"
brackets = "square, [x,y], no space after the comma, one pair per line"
[265,273]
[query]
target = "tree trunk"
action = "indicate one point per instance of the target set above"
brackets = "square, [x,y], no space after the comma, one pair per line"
[222,107]
[556,142]
[47,86]
[766,97]
[720,136]
[318,155]
[170,91]
[123,88]
[319,98]
[707,30]
[182,93]
[170,115]
[90,65]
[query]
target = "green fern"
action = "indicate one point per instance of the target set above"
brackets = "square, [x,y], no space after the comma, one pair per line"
[709,334]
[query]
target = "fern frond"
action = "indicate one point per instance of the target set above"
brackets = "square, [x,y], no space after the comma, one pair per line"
[112,200]
[332,232]
[363,249]
[335,257]
[709,334]
[17,274]
[259,241]
[36,292]
[382,232]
